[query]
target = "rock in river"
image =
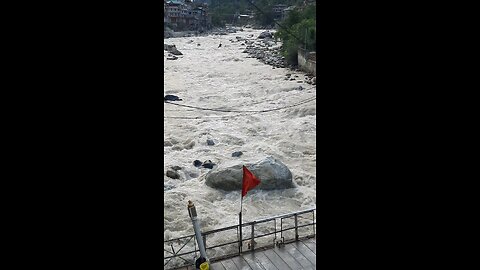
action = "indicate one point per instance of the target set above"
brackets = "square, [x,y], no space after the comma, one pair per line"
[237,154]
[272,173]
[173,174]
[172,49]
[265,34]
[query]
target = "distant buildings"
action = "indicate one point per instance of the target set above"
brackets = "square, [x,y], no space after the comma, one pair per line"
[208,2]
[280,11]
[186,14]
[286,11]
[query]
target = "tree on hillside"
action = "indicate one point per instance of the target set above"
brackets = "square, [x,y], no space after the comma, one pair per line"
[299,31]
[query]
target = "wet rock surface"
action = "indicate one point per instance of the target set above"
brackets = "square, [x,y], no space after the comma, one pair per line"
[173,174]
[210,142]
[237,154]
[272,173]
[265,34]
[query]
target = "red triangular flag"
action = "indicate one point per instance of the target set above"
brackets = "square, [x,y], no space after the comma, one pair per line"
[249,181]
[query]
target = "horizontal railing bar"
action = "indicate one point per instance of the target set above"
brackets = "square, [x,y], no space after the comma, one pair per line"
[180,254]
[176,239]
[221,245]
[258,236]
[256,221]
[247,224]
[262,235]
[221,229]
[286,229]
[267,234]
[267,220]
[305,225]
[287,215]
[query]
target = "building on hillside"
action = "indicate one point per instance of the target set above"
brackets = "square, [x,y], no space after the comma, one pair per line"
[286,11]
[208,2]
[278,11]
[186,15]
[173,12]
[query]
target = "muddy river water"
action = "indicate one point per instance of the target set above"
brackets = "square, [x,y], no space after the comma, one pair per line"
[207,76]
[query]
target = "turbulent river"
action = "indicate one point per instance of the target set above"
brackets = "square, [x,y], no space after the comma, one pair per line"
[224,78]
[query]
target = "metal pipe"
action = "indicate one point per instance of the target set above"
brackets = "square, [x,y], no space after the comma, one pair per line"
[192,212]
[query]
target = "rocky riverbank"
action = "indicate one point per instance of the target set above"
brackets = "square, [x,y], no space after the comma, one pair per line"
[268,51]
[264,48]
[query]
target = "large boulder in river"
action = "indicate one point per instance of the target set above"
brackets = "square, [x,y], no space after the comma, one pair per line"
[265,34]
[272,173]
[171,49]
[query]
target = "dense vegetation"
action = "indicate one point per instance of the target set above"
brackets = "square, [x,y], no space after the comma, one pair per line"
[299,31]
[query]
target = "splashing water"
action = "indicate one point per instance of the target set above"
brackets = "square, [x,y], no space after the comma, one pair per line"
[212,77]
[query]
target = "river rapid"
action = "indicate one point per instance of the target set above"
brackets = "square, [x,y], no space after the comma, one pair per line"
[212,77]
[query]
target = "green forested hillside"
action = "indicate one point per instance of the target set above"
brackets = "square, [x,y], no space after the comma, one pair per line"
[299,31]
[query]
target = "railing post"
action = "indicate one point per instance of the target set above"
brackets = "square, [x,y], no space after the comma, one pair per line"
[275,224]
[281,229]
[313,222]
[252,242]
[240,234]
[296,227]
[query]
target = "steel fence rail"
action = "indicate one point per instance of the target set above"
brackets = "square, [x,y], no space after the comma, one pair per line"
[251,244]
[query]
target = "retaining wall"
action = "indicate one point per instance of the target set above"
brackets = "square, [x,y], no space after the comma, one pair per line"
[307,61]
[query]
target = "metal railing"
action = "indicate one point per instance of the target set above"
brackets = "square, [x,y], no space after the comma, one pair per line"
[175,256]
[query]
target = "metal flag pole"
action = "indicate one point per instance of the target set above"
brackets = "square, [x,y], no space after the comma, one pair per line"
[240,223]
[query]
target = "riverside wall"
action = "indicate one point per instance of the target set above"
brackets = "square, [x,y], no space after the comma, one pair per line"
[307,61]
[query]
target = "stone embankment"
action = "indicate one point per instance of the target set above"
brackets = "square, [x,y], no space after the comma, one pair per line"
[264,48]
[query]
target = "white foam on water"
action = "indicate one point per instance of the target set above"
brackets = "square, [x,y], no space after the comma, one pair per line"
[211,77]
